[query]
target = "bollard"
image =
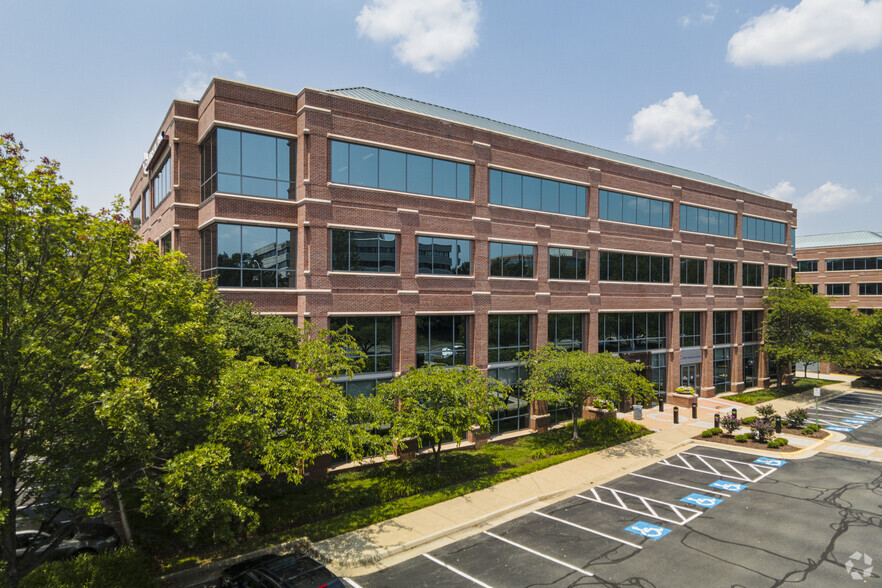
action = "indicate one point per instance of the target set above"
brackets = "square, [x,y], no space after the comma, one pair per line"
[695,410]
[676,415]
[777,424]
[661,404]
[734,413]
[717,421]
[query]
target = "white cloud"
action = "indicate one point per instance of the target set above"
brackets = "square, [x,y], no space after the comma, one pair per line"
[679,120]
[811,30]
[708,16]
[783,191]
[198,70]
[429,35]
[829,197]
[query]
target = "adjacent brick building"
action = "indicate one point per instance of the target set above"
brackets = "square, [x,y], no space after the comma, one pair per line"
[443,237]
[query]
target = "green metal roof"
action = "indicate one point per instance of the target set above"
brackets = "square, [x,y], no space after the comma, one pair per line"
[838,239]
[481,122]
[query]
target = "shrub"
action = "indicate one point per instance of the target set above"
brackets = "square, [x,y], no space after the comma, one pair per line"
[779,442]
[796,417]
[122,567]
[730,423]
[766,411]
[707,433]
[748,420]
[751,435]
[603,404]
[742,438]
[813,428]
[686,390]
[717,430]
[763,430]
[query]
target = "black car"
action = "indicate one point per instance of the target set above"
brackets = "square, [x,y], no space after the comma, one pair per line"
[77,539]
[294,570]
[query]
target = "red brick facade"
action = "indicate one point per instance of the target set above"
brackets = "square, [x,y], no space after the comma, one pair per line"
[313,117]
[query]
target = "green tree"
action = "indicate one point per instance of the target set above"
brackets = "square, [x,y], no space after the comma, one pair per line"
[251,334]
[801,327]
[438,403]
[573,377]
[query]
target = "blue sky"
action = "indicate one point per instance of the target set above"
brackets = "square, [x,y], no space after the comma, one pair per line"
[783,98]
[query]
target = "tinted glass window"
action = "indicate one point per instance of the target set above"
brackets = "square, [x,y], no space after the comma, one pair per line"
[443,256]
[362,251]
[522,191]
[634,209]
[243,256]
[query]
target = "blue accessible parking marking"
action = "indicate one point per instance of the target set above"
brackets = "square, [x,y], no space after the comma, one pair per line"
[649,530]
[770,461]
[839,429]
[854,422]
[702,500]
[730,486]
[864,417]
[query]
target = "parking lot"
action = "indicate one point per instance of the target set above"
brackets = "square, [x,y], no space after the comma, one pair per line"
[704,517]
[856,415]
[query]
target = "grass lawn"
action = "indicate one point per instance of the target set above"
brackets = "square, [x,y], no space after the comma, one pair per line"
[760,396]
[353,499]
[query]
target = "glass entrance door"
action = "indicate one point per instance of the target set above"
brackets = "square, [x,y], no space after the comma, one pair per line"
[690,376]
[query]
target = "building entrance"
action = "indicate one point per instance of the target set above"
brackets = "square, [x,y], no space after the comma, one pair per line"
[690,376]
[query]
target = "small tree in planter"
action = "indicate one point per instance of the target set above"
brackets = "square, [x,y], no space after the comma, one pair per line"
[763,430]
[686,390]
[796,417]
[766,412]
[730,423]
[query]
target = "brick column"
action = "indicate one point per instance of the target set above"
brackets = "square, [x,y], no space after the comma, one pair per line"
[707,354]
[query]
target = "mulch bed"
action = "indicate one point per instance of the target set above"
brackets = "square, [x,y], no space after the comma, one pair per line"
[752,444]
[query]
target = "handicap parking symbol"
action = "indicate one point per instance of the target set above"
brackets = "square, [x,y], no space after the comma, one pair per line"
[854,422]
[770,461]
[648,530]
[730,486]
[702,500]
[839,429]
[864,417]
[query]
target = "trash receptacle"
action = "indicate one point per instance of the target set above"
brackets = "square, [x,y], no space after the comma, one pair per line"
[638,412]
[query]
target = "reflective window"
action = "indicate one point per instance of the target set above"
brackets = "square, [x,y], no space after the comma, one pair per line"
[630,267]
[516,414]
[165,243]
[636,210]
[758,229]
[777,273]
[705,220]
[441,340]
[162,183]
[632,331]
[838,289]
[807,266]
[520,191]
[691,271]
[243,256]
[373,334]
[438,255]
[511,260]
[237,162]
[854,263]
[722,327]
[360,386]
[724,273]
[722,370]
[751,326]
[137,210]
[752,274]
[507,335]
[374,167]
[565,330]
[870,289]
[690,329]
[362,251]
[567,264]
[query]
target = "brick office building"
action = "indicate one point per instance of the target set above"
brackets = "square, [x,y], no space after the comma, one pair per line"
[845,266]
[443,237]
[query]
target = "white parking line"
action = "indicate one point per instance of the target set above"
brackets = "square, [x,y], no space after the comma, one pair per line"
[456,571]
[682,485]
[534,552]
[586,529]
[763,471]
[646,502]
[351,582]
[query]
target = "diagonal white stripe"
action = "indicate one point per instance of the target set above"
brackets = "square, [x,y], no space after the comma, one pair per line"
[534,552]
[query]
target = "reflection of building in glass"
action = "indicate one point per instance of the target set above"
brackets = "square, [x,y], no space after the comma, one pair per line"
[443,238]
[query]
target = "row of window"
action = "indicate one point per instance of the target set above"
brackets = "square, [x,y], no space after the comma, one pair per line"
[872,289]
[254,164]
[842,265]
[252,256]
[443,340]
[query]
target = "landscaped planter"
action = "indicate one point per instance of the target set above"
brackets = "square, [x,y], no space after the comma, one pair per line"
[540,423]
[589,413]
[319,468]
[681,400]
[478,437]
[407,449]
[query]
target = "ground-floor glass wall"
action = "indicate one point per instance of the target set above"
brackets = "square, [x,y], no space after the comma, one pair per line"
[722,370]
[516,414]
